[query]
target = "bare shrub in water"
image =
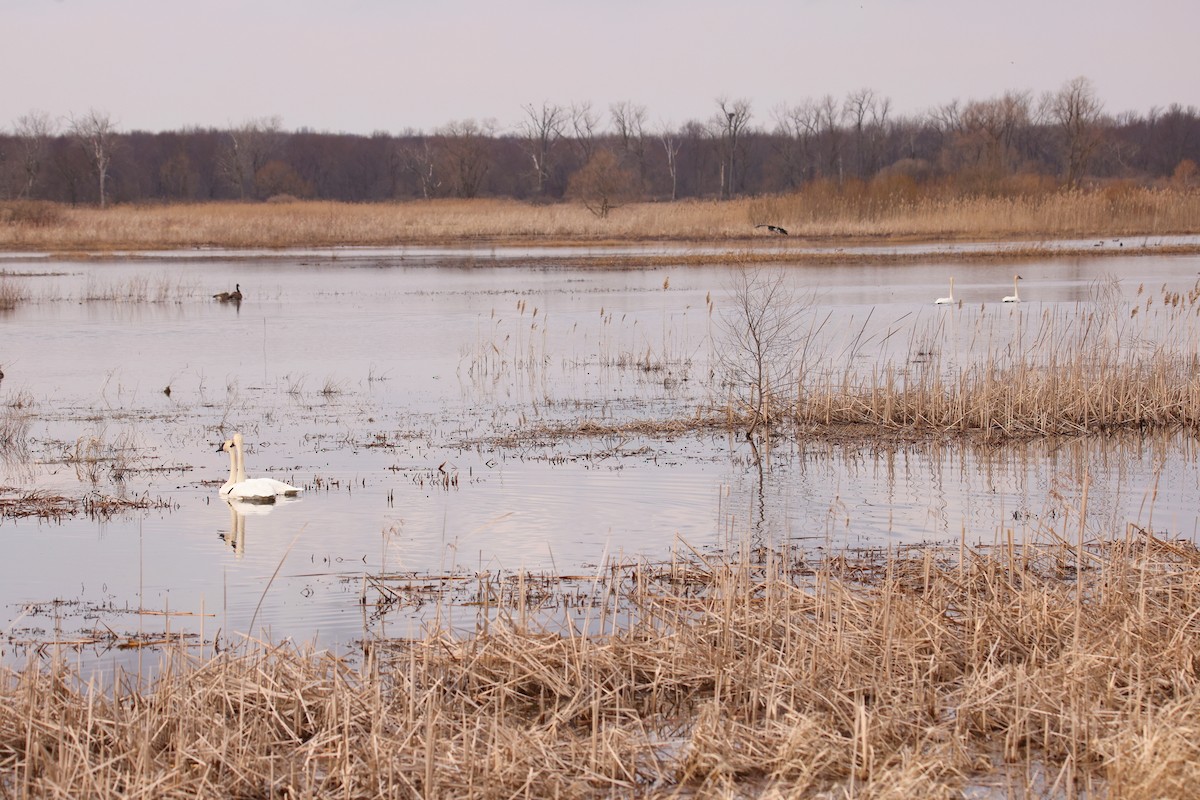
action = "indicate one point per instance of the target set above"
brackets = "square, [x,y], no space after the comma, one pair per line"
[761,342]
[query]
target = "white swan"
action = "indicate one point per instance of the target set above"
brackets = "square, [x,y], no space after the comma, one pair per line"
[949,299]
[244,490]
[285,489]
[1015,297]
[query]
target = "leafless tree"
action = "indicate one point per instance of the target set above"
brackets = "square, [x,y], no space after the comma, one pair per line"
[584,122]
[856,109]
[947,118]
[1173,136]
[33,132]
[540,132]
[987,133]
[602,184]
[175,176]
[629,123]
[798,127]
[671,144]
[1076,111]
[881,128]
[868,116]
[829,114]
[762,342]
[248,148]
[97,134]
[418,158]
[970,143]
[730,123]
[466,145]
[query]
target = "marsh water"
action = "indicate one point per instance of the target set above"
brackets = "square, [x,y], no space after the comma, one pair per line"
[424,403]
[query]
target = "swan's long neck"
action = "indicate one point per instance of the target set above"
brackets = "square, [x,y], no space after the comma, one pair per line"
[241,457]
[1016,292]
[233,478]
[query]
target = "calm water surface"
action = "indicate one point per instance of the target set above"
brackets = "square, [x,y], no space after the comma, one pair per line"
[411,399]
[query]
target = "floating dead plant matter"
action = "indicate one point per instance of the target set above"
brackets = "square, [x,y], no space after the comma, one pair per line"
[17,503]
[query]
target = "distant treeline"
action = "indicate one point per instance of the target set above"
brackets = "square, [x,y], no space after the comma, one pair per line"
[605,157]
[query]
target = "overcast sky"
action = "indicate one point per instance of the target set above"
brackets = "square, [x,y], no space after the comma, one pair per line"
[388,65]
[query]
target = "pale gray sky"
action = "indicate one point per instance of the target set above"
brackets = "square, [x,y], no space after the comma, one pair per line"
[366,65]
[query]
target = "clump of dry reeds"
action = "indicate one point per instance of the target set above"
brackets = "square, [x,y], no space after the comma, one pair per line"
[16,416]
[143,288]
[1085,395]
[12,293]
[1039,670]
[16,503]
[95,457]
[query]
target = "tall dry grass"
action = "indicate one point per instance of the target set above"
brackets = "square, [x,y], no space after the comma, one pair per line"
[1089,393]
[1051,669]
[820,212]
[16,418]
[1024,371]
[12,293]
[898,208]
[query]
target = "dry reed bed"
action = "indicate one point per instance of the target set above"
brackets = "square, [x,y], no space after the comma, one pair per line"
[1046,669]
[1076,398]
[1083,371]
[1105,365]
[12,293]
[19,503]
[808,215]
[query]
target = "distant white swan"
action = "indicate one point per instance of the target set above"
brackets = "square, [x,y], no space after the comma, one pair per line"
[1015,297]
[285,489]
[244,490]
[949,299]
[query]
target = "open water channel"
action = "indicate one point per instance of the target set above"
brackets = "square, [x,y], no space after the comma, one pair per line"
[415,396]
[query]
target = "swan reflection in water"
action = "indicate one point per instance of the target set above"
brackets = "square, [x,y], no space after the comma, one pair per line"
[238,511]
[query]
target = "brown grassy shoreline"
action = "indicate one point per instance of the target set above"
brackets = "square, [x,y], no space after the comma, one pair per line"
[828,221]
[1051,669]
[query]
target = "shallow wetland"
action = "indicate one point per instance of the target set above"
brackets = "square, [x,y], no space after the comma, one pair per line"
[537,552]
[510,416]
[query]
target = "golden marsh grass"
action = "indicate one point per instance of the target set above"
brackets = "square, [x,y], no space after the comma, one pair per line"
[819,214]
[1051,669]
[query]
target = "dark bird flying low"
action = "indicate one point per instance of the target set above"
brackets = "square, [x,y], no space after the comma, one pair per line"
[773,229]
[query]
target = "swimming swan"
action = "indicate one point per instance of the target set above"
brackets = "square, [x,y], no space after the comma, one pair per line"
[244,490]
[285,489]
[1015,297]
[949,299]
